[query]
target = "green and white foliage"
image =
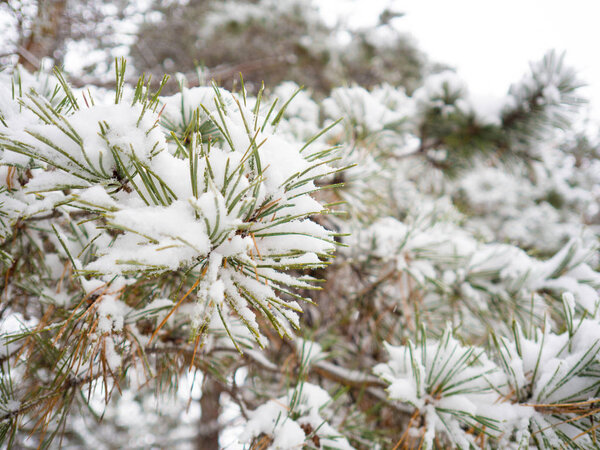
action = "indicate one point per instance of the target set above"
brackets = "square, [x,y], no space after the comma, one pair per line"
[556,377]
[147,235]
[496,248]
[484,285]
[543,101]
[537,391]
[452,388]
[294,421]
[131,204]
[539,208]
[204,187]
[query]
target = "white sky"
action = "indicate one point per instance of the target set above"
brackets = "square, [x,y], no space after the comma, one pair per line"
[491,42]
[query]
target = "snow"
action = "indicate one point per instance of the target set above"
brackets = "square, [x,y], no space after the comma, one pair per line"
[13,323]
[271,419]
[309,352]
[171,236]
[97,196]
[85,150]
[274,419]
[522,242]
[369,112]
[112,314]
[113,359]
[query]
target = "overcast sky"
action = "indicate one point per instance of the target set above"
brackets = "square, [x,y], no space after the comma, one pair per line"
[491,42]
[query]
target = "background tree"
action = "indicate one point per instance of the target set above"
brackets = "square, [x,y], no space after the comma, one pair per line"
[38,29]
[231,37]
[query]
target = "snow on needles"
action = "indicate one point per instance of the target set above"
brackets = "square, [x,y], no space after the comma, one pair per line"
[196,181]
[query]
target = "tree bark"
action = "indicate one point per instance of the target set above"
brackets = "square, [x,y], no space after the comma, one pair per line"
[208,432]
[46,35]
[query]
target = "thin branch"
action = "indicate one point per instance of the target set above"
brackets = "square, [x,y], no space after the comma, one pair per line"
[73,382]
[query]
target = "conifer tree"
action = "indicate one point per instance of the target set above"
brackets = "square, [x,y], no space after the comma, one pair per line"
[371,267]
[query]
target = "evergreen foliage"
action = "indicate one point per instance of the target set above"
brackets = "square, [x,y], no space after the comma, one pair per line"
[369,266]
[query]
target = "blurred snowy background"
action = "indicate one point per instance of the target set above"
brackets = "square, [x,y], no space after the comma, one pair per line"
[490,43]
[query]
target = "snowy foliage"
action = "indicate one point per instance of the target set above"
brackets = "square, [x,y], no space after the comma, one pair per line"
[173,233]
[230,205]
[293,421]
